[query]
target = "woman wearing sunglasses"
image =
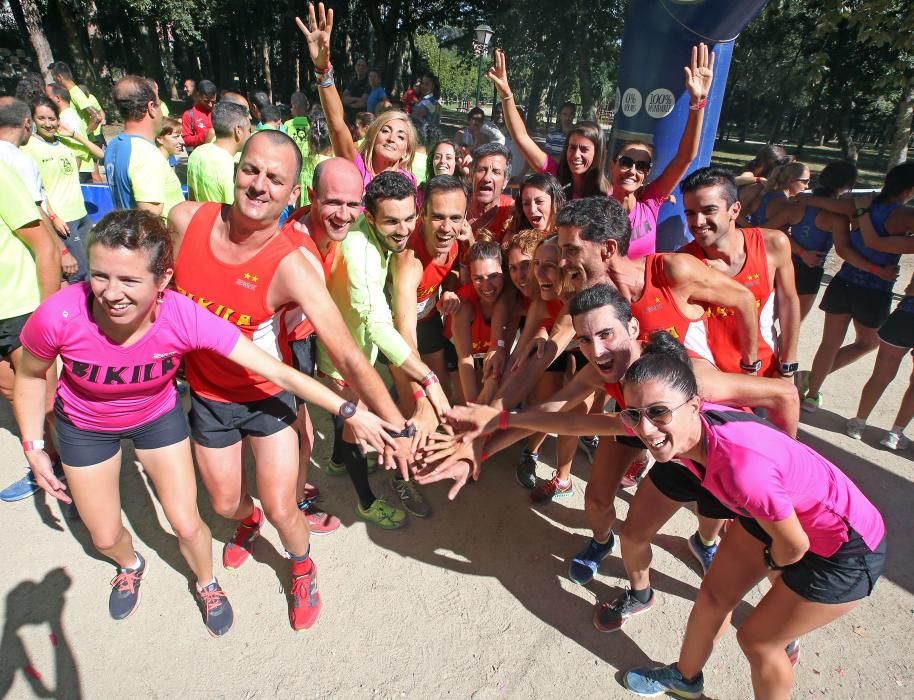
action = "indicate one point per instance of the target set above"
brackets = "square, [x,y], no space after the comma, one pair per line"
[766,202]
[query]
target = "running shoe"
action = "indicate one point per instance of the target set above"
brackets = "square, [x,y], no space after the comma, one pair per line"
[588,445]
[27,486]
[652,682]
[305,600]
[611,615]
[585,564]
[383,515]
[319,522]
[704,555]
[411,497]
[217,611]
[635,472]
[526,470]
[336,468]
[310,493]
[855,428]
[811,404]
[895,440]
[238,549]
[125,590]
[545,491]
[793,652]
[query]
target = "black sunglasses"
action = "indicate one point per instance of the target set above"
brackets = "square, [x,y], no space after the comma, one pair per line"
[642,166]
[658,414]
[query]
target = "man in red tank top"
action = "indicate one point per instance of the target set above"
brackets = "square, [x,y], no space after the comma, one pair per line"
[759,259]
[667,292]
[235,262]
[490,208]
[336,203]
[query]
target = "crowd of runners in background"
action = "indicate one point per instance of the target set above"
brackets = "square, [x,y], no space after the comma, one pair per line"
[512,288]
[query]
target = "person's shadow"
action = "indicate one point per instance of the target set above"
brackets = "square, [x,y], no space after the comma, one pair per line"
[31,603]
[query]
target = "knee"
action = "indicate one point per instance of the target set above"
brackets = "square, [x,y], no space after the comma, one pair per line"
[225,505]
[282,515]
[188,529]
[107,539]
[596,500]
[712,598]
[634,536]
[750,644]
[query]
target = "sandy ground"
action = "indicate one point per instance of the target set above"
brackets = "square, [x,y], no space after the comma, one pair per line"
[474,602]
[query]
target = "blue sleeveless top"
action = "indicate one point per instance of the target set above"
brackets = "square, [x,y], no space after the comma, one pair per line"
[760,215]
[879,214]
[810,236]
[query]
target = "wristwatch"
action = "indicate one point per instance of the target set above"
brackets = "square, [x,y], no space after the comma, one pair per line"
[787,369]
[407,432]
[347,410]
[769,562]
[30,445]
[752,367]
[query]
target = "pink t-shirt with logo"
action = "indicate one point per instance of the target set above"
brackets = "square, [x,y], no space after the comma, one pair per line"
[109,388]
[642,217]
[756,470]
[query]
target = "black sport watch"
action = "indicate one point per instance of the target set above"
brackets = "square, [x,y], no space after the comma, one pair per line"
[752,367]
[347,410]
[788,369]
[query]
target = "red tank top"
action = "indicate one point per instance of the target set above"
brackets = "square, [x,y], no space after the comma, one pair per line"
[237,293]
[433,274]
[723,332]
[615,391]
[480,329]
[497,221]
[299,326]
[658,310]
[555,308]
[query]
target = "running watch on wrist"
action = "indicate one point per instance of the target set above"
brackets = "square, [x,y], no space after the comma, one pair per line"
[769,562]
[789,368]
[347,410]
[752,367]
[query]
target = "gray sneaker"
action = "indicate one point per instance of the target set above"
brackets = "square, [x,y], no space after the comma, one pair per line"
[526,470]
[125,590]
[411,497]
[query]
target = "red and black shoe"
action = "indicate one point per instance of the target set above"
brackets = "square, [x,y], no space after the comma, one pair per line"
[305,600]
[238,549]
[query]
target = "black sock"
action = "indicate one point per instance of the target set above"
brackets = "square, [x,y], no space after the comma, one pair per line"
[357,468]
[337,455]
[643,595]
[689,681]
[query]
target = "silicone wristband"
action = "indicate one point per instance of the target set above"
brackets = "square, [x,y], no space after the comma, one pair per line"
[29,445]
[701,104]
[503,420]
[429,379]
[64,251]
[419,394]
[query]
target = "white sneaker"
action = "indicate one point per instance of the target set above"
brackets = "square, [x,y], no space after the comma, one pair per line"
[855,427]
[895,441]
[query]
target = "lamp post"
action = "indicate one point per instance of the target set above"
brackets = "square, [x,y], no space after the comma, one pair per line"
[483,35]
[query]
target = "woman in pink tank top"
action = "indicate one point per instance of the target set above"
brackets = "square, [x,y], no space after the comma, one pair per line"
[121,337]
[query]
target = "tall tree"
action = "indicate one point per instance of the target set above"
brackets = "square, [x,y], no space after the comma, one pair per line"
[31,14]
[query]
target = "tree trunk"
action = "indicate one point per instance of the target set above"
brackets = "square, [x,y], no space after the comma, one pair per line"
[39,40]
[97,47]
[169,86]
[537,102]
[902,138]
[267,73]
[82,64]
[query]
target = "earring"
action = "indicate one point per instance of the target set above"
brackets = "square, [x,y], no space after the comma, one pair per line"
[160,297]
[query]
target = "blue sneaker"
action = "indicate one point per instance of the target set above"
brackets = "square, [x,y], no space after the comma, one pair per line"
[18,490]
[704,555]
[585,564]
[651,682]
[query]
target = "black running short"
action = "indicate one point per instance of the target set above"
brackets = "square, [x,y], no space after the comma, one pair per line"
[898,329]
[868,307]
[808,279]
[219,424]
[10,329]
[678,484]
[86,448]
[430,335]
[304,354]
[847,575]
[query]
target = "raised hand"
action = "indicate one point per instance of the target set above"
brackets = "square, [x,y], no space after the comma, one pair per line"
[498,74]
[700,72]
[317,34]
[473,420]
[369,430]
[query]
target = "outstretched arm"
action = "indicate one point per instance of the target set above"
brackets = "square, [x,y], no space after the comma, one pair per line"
[533,154]
[317,34]
[698,76]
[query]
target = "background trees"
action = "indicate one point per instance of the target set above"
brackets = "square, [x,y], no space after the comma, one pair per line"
[804,72]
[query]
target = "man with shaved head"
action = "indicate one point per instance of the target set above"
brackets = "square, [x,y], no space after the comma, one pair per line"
[137,173]
[253,271]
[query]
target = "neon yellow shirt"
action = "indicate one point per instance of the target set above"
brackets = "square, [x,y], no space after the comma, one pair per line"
[83,102]
[420,160]
[211,174]
[164,107]
[60,175]
[308,165]
[357,284]
[19,292]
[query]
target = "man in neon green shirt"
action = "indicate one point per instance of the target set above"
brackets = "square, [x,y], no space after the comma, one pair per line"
[138,175]
[90,111]
[211,167]
[299,126]
[358,281]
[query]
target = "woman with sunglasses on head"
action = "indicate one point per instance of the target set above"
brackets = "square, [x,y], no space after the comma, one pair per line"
[121,337]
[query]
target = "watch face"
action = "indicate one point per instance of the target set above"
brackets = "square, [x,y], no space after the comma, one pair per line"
[347,410]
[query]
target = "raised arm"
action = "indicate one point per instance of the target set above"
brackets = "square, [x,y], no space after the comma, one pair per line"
[533,154]
[461,324]
[698,76]
[317,34]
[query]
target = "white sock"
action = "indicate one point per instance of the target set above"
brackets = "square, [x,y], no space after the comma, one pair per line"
[201,587]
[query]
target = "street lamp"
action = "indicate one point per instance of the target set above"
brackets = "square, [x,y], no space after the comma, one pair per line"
[483,35]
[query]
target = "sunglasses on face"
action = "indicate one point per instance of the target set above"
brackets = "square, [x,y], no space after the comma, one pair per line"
[657,414]
[804,180]
[642,166]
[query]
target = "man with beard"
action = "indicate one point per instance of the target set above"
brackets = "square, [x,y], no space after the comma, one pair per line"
[358,282]
[253,271]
